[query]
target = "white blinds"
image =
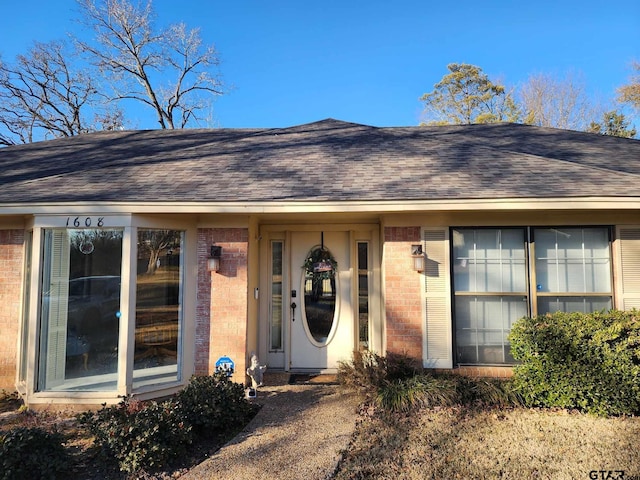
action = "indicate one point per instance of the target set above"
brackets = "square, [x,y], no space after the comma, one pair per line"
[56,283]
[572,260]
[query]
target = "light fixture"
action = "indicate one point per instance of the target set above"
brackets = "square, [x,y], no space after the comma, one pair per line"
[418,258]
[213,262]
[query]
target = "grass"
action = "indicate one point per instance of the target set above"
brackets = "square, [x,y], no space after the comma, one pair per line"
[517,443]
[438,426]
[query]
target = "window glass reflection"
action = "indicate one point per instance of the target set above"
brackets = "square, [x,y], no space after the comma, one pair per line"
[158,306]
[80,309]
[320,293]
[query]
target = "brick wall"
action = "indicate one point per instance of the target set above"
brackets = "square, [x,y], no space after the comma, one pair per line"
[11,265]
[481,371]
[403,297]
[221,314]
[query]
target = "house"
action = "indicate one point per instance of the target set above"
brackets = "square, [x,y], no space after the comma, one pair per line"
[131,260]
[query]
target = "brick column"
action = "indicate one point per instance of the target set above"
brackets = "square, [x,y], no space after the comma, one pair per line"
[403,298]
[11,266]
[221,315]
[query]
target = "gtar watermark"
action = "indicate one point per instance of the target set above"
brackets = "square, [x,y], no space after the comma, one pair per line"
[611,475]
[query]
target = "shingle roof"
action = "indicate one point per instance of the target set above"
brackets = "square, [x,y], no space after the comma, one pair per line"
[326,160]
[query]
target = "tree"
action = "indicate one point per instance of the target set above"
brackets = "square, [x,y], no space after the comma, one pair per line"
[139,59]
[153,242]
[614,124]
[558,103]
[42,95]
[630,94]
[466,95]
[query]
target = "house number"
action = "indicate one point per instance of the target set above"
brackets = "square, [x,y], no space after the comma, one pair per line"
[84,222]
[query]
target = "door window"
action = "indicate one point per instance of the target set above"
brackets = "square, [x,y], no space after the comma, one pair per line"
[319,294]
[275,315]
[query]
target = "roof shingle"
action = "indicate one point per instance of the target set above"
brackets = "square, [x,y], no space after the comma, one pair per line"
[326,160]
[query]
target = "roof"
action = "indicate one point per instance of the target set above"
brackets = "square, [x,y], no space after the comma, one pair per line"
[329,160]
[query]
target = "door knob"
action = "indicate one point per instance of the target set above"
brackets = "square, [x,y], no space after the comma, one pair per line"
[293,311]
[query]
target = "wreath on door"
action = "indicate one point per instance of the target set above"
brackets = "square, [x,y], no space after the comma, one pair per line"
[320,261]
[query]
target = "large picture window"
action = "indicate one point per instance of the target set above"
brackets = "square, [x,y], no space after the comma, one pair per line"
[493,286]
[158,307]
[80,309]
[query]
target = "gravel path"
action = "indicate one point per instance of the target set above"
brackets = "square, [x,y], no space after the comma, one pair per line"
[298,434]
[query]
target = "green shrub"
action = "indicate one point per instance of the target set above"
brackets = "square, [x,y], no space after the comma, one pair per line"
[589,362]
[214,404]
[146,436]
[31,452]
[139,436]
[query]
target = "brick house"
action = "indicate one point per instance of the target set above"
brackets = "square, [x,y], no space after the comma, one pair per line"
[130,261]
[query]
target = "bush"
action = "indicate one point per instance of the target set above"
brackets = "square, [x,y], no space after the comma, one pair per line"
[214,404]
[368,370]
[145,436]
[31,452]
[589,362]
[404,395]
[397,383]
[139,436]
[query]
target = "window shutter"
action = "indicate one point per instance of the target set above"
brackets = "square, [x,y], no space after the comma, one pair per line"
[630,266]
[437,344]
[58,309]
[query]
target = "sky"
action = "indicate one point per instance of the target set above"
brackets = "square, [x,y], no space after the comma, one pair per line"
[293,62]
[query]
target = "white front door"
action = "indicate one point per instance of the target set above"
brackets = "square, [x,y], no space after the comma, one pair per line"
[321,313]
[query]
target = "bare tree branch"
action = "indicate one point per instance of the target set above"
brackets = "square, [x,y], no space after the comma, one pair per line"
[560,103]
[137,57]
[42,96]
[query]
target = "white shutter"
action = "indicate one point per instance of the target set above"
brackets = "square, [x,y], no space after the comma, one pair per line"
[629,275]
[58,309]
[437,346]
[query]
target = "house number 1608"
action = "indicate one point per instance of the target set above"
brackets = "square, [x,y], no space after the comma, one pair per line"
[84,222]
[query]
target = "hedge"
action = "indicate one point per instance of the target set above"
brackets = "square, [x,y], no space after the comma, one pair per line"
[589,362]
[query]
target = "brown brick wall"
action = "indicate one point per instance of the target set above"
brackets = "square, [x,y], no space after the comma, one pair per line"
[221,314]
[480,371]
[11,266]
[403,298]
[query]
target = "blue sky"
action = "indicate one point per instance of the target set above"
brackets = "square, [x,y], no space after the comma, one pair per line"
[293,62]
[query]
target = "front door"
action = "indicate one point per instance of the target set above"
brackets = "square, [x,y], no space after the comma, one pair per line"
[321,314]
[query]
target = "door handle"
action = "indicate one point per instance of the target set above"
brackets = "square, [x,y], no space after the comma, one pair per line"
[293,311]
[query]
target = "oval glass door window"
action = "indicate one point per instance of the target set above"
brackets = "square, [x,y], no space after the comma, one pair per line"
[319,293]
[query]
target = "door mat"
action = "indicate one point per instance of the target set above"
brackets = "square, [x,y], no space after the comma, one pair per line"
[317,379]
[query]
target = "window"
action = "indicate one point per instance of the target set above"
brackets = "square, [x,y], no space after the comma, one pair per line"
[80,309]
[573,269]
[275,316]
[26,302]
[363,295]
[493,286]
[490,292]
[158,307]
